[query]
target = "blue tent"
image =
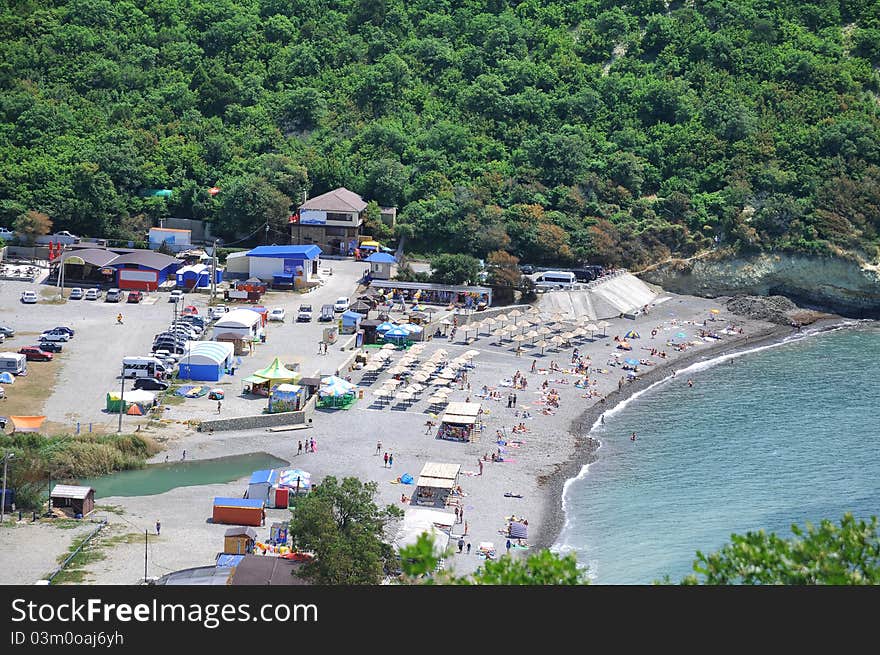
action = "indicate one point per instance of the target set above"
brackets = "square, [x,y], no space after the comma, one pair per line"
[384,327]
[406,478]
[7,377]
[396,334]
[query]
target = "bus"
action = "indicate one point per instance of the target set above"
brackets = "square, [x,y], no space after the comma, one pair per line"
[556,279]
[143,367]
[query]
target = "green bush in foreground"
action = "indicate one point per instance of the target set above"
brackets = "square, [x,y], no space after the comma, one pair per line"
[67,457]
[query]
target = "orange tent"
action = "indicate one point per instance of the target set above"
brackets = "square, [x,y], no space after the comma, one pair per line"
[27,423]
[134,410]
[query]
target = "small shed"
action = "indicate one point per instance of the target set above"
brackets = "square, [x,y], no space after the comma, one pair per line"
[382,266]
[351,322]
[435,483]
[80,500]
[238,511]
[260,485]
[238,324]
[206,361]
[369,327]
[196,276]
[239,541]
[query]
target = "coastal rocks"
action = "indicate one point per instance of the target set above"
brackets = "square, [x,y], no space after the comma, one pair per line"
[773,309]
[828,283]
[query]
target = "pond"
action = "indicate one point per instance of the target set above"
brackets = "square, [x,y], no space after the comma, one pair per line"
[159,478]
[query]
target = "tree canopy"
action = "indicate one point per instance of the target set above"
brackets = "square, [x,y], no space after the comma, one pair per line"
[556,131]
[340,522]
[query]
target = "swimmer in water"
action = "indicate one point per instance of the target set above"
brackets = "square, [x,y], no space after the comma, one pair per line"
[633,437]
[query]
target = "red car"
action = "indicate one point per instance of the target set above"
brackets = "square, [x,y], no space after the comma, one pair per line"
[34,354]
[135,296]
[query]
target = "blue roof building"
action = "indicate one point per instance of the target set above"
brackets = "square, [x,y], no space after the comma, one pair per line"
[284,266]
[382,266]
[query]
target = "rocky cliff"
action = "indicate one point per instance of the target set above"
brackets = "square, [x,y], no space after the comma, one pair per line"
[826,283]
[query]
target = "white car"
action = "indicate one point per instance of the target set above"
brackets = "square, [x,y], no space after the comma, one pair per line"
[341,304]
[176,296]
[28,297]
[217,311]
[277,314]
[76,294]
[93,294]
[55,336]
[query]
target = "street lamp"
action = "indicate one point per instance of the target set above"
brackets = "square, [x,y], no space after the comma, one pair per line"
[6,459]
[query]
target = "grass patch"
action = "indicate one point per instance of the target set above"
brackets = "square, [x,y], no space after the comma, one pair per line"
[74,572]
[173,399]
[112,509]
[29,393]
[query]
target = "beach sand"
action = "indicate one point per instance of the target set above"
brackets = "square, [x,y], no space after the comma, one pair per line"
[554,448]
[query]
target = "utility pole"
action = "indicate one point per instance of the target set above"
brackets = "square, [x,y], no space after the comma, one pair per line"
[213,272]
[146,542]
[266,232]
[122,399]
[6,459]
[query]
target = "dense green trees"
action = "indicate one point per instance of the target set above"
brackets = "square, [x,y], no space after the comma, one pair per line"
[553,130]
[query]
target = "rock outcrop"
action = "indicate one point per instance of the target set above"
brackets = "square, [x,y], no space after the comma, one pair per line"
[826,283]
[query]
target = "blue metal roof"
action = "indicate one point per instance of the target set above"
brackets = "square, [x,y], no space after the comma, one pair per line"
[237,502]
[228,561]
[278,252]
[259,477]
[380,258]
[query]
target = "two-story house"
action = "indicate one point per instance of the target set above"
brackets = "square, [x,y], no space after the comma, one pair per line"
[332,221]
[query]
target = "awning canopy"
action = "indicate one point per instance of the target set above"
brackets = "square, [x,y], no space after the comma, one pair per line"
[441,470]
[464,409]
[276,372]
[435,483]
[458,419]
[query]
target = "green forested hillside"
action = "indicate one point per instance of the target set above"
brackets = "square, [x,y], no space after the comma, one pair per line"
[556,130]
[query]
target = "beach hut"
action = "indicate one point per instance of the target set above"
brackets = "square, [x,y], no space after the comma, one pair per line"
[286,398]
[260,485]
[459,421]
[435,483]
[79,500]
[351,322]
[206,361]
[238,511]
[239,541]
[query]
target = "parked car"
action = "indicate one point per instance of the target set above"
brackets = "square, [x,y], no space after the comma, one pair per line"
[526,269]
[304,314]
[277,314]
[326,313]
[76,294]
[341,304]
[49,346]
[113,295]
[28,297]
[64,329]
[35,354]
[170,346]
[93,294]
[7,234]
[135,296]
[54,336]
[217,311]
[151,384]
[176,296]
[7,331]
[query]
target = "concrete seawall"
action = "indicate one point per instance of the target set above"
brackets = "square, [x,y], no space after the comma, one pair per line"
[607,297]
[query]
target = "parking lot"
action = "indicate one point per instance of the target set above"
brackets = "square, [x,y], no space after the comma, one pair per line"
[90,363]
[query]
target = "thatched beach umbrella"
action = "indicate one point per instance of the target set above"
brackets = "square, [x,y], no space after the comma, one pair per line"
[500,334]
[532,334]
[544,330]
[557,341]
[604,325]
[592,327]
[471,353]
[389,346]
[515,314]
[541,344]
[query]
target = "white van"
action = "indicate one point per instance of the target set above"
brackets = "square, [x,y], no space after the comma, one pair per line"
[14,363]
[556,279]
[143,367]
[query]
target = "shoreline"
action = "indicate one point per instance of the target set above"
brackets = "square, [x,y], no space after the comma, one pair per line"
[586,448]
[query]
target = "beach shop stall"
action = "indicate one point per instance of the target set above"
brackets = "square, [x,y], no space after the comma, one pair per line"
[262,381]
[79,501]
[460,422]
[435,484]
[261,485]
[296,481]
[286,398]
[206,361]
[239,541]
[351,322]
[238,511]
[397,335]
[336,393]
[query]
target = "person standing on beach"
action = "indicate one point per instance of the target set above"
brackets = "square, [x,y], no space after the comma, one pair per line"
[378,447]
[183,457]
[508,546]
[460,544]
[469,548]
[534,365]
[390,460]
[299,448]
[158,527]
[480,462]
[386,460]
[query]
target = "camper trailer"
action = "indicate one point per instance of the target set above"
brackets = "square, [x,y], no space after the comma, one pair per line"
[14,363]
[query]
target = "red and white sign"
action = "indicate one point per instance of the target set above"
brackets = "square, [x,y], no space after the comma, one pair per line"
[134,279]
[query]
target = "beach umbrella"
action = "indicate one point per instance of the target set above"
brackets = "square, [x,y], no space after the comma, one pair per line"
[421,377]
[415,387]
[440,382]
[568,336]
[383,393]
[441,351]
[632,334]
[544,330]
[541,344]
[403,396]
[389,346]
[471,353]
[502,318]
[490,321]
[604,325]
[515,314]
[532,334]
[519,338]
[533,310]
[385,326]
[592,327]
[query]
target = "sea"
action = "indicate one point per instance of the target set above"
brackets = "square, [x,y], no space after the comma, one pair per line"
[765,438]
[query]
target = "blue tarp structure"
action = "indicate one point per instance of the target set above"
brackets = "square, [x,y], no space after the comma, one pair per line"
[406,478]
[384,327]
[228,561]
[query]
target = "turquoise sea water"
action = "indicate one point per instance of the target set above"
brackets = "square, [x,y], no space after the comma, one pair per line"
[779,436]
